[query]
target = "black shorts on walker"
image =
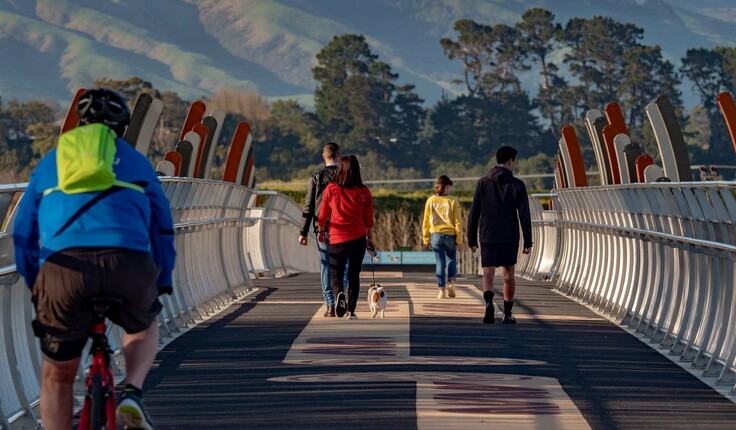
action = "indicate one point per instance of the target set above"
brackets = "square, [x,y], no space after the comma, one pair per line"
[499,254]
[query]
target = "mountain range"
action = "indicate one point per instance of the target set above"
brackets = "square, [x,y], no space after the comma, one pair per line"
[49,48]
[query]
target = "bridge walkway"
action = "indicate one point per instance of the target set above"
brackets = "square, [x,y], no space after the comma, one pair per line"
[272,361]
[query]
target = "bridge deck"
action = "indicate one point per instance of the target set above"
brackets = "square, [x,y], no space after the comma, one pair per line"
[273,361]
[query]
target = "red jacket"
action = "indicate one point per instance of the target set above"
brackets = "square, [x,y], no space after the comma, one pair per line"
[349,210]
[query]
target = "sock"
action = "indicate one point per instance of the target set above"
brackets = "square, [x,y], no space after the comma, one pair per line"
[488,297]
[132,389]
[507,306]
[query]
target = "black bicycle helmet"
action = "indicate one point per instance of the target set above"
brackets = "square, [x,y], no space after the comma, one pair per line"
[106,107]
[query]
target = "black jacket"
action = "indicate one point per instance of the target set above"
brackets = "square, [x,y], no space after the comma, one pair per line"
[500,203]
[315,188]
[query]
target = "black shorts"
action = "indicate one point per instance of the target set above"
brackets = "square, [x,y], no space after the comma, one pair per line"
[499,254]
[67,279]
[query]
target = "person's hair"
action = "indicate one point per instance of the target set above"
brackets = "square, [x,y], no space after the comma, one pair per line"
[506,153]
[440,187]
[348,172]
[331,150]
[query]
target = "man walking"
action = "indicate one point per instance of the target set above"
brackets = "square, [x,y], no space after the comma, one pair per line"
[500,203]
[316,186]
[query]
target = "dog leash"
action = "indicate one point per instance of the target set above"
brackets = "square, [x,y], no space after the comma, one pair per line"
[373,270]
[372,254]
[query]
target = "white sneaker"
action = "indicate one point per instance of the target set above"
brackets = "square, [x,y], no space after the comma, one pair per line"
[451,290]
[132,414]
[352,316]
[442,294]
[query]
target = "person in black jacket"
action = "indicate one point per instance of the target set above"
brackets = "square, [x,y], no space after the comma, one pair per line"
[316,186]
[500,204]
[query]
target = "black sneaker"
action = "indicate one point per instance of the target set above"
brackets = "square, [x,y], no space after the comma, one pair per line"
[509,319]
[490,315]
[132,414]
[341,305]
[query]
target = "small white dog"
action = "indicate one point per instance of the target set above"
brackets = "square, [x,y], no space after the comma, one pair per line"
[377,299]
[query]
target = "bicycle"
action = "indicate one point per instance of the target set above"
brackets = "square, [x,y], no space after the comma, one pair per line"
[98,411]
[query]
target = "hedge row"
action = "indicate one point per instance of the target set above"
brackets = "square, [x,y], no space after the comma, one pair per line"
[391,200]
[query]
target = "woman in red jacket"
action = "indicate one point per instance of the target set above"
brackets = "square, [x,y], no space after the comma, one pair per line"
[347,205]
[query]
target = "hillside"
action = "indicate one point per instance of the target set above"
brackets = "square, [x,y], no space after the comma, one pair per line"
[51,47]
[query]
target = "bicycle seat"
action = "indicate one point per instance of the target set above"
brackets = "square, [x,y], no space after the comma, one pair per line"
[102,304]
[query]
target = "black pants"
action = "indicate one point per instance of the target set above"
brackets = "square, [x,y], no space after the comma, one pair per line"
[341,253]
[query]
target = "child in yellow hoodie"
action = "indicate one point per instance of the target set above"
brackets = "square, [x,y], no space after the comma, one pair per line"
[442,233]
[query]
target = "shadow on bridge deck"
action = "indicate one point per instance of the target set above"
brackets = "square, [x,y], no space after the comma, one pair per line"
[272,361]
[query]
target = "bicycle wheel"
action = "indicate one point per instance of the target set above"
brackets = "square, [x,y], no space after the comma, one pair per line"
[110,404]
[97,407]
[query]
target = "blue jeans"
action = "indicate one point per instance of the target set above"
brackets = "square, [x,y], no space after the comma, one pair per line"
[445,253]
[324,269]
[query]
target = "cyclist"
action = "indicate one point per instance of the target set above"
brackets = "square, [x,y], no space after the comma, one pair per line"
[72,246]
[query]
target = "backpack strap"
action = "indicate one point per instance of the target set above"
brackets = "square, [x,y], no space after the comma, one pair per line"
[84,208]
[93,201]
[118,184]
[129,185]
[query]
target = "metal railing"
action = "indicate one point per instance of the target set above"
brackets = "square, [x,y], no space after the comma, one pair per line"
[223,240]
[656,258]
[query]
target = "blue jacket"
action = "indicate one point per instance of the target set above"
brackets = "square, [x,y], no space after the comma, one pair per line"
[125,218]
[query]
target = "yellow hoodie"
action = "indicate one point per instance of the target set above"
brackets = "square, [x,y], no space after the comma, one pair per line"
[442,216]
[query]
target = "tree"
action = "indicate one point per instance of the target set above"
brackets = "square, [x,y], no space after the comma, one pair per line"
[473,49]
[342,76]
[408,119]
[249,105]
[595,57]
[130,88]
[708,71]
[283,149]
[44,136]
[357,101]
[491,56]
[292,118]
[461,136]
[728,55]
[538,37]
[24,124]
[704,68]
[167,132]
[532,164]
[646,75]
[509,61]
[697,132]
[471,129]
